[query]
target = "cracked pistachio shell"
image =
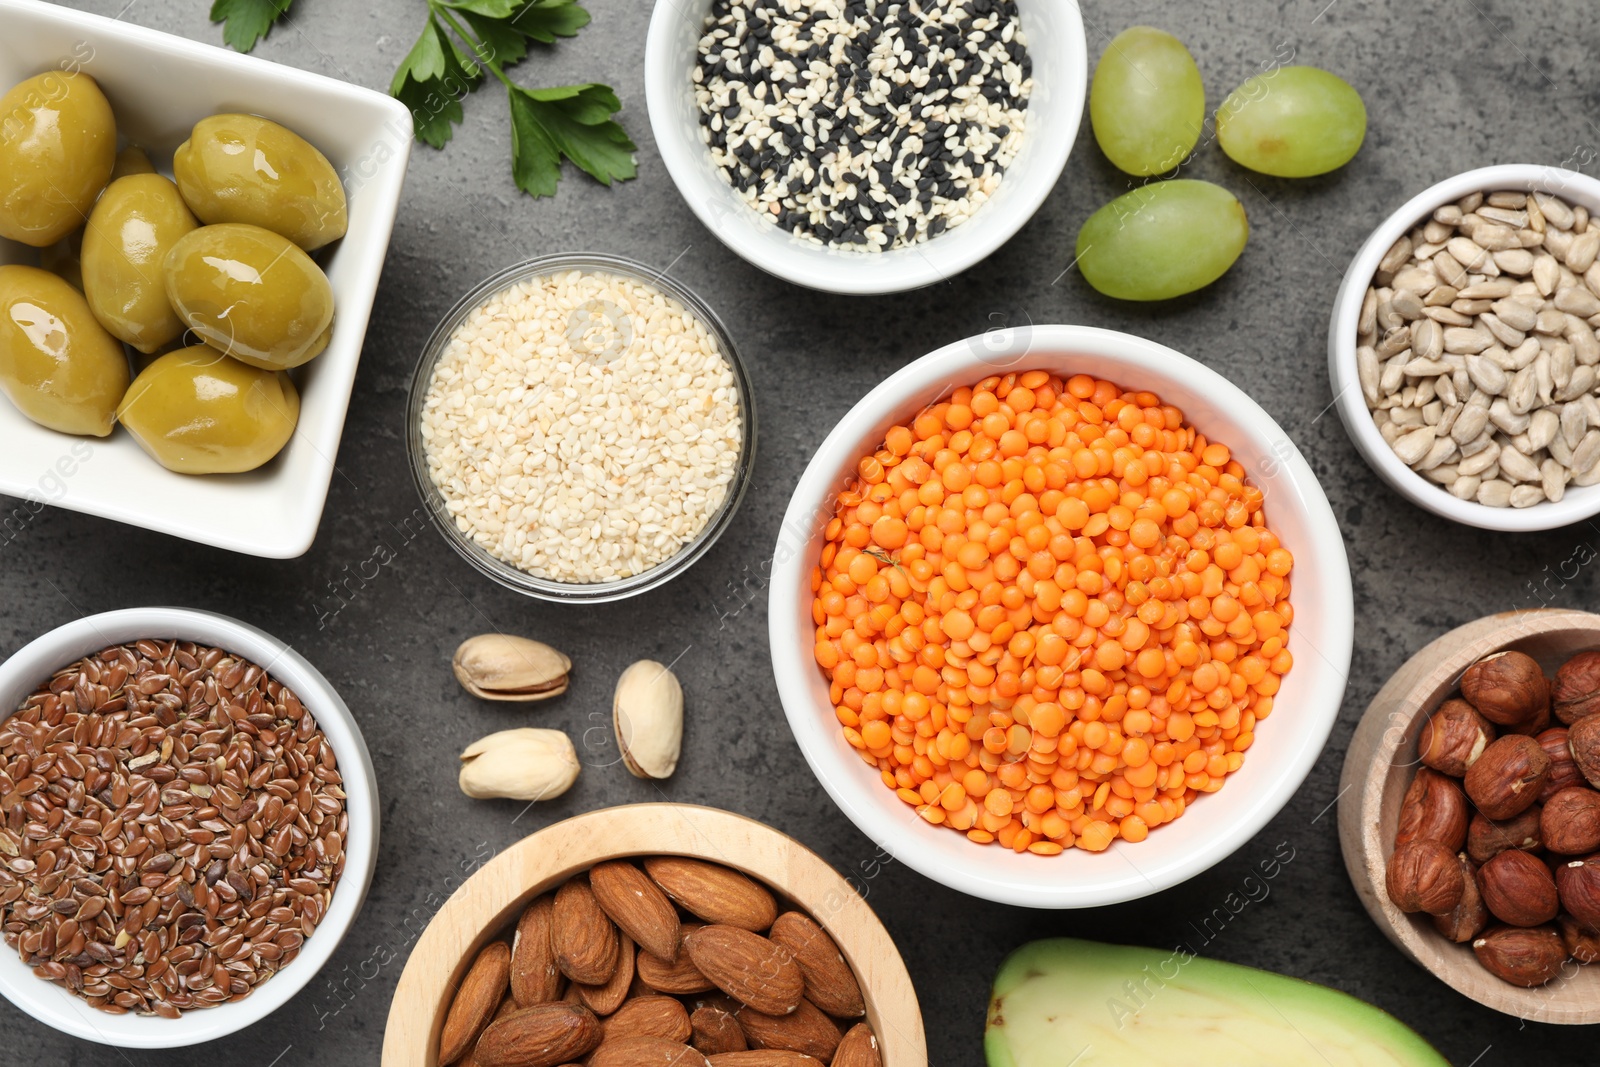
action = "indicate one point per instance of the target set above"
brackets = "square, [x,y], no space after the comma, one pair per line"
[647,713]
[526,764]
[503,667]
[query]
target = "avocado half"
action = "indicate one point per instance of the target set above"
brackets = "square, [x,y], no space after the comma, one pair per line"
[1062,1002]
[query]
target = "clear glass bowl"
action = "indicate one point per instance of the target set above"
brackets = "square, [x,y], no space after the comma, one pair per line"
[513,577]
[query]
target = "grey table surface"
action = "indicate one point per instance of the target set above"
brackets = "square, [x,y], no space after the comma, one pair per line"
[1449,84]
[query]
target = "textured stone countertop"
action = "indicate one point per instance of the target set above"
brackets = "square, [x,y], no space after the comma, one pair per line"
[1449,85]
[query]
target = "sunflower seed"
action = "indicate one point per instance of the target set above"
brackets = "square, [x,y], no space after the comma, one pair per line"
[1495,493]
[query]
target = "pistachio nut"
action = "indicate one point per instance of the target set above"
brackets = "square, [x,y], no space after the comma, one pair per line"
[502,667]
[647,714]
[525,764]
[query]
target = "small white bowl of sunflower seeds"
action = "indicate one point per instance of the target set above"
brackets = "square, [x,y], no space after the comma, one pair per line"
[581,428]
[865,146]
[1464,350]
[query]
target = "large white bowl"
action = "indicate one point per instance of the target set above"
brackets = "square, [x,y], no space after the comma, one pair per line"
[1579,502]
[160,86]
[1286,744]
[1060,72]
[21,674]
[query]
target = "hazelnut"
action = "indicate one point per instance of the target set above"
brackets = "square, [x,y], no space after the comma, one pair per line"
[1506,687]
[1525,956]
[1424,876]
[1570,822]
[1435,809]
[1583,943]
[1454,737]
[1532,727]
[1576,692]
[1578,884]
[1506,779]
[1518,889]
[1468,918]
[1583,741]
[1563,771]
[1487,838]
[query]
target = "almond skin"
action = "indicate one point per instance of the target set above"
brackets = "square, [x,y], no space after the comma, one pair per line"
[652,1015]
[475,1002]
[583,937]
[714,893]
[638,906]
[748,967]
[646,1052]
[541,1036]
[765,1057]
[716,1031]
[605,999]
[830,984]
[535,978]
[805,1030]
[680,977]
[858,1049]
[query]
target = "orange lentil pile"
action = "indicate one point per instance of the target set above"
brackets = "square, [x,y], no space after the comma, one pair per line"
[1051,613]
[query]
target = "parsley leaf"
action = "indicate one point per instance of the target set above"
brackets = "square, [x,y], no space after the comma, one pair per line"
[463,40]
[247,21]
[431,81]
[572,121]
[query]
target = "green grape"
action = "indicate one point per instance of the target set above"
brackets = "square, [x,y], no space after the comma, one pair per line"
[1162,240]
[1146,105]
[1293,122]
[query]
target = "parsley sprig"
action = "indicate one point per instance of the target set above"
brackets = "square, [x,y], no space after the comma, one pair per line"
[462,43]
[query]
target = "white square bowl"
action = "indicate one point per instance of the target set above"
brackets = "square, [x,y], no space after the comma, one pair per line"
[160,86]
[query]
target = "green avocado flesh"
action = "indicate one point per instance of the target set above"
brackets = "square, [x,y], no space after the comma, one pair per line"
[1069,1003]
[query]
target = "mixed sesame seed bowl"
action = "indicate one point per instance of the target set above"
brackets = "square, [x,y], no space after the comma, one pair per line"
[581,428]
[1285,746]
[869,146]
[1421,484]
[160,630]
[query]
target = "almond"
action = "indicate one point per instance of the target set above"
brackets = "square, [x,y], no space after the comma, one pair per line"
[858,1049]
[646,1052]
[680,977]
[583,938]
[748,967]
[651,1015]
[830,984]
[541,1036]
[765,1057]
[805,1029]
[638,905]
[713,892]
[605,999]
[475,1002]
[716,1031]
[535,978]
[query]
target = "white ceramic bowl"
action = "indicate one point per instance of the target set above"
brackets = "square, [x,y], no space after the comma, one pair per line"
[160,86]
[21,674]
[1579,502]
[1060,71]
[1286,745]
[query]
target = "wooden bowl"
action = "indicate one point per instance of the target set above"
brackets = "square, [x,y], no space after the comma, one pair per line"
[493,897]
[1379,766]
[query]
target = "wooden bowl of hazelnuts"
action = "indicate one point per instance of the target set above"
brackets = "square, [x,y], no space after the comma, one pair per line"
[1469,812]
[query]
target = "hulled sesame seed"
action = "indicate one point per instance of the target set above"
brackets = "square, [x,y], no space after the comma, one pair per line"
[867,124]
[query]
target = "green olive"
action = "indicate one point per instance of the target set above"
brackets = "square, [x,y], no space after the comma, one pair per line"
[57,364]
[240,168]
[65,258]
[135,224]
[58,142]
[251,294]
[131,160]
[198,412]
